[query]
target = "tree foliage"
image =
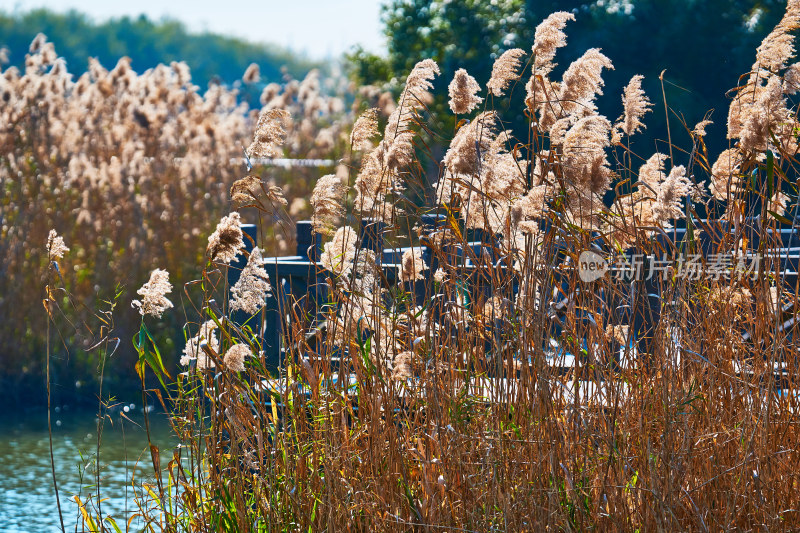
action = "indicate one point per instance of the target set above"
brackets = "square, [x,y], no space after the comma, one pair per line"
[148,43]
[704,46]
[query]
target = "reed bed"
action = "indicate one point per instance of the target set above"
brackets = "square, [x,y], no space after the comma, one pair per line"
[133,170]
[479,380]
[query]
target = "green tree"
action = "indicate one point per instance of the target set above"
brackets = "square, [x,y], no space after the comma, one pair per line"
[704,46]
[209,56]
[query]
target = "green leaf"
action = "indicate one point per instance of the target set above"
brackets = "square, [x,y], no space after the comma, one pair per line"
[364,347]
[770,173]
[139,345]
[113,523]
[313,515]
[149,355]
[780,218]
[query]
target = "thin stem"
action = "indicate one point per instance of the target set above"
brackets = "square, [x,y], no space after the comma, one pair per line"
[100,419]
[49,425]
[666,116]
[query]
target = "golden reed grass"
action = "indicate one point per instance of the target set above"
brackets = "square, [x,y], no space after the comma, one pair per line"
[440,403]
[133,170]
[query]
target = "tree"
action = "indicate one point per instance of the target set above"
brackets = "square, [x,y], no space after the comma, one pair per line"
[704,46]
[147,43]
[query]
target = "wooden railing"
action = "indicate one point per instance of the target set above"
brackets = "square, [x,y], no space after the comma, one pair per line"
[299,285]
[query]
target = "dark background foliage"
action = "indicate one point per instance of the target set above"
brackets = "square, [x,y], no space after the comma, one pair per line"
[148,43]
[703,45]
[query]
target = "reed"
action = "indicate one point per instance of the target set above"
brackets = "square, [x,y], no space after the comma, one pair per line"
[133,170]
[481,378]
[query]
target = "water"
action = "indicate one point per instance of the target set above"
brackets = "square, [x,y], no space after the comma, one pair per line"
[27,498]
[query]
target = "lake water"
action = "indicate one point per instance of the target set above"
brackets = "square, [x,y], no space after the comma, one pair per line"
[27,498]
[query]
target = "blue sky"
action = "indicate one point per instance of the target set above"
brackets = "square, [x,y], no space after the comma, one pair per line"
[320,28]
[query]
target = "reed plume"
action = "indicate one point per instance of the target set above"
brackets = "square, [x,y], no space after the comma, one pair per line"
[584,159]
[471,144]
[381,169]
[327,201]
[548,38]
[671,193]
[582,83]
[412,265]
[635,104]
[245,191]
[505,70]
[235,357]
[154,301]
[725,178]
[249,293]
[778,203]
[651,173]
[252,74]
[365,129]
[195,348]
[700,128]
[463,91]
[227,240]
[778,47]
[269,134]
[339,254]
[55,245]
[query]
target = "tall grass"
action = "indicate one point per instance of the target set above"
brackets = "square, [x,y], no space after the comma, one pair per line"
[133,170]
[488,387]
